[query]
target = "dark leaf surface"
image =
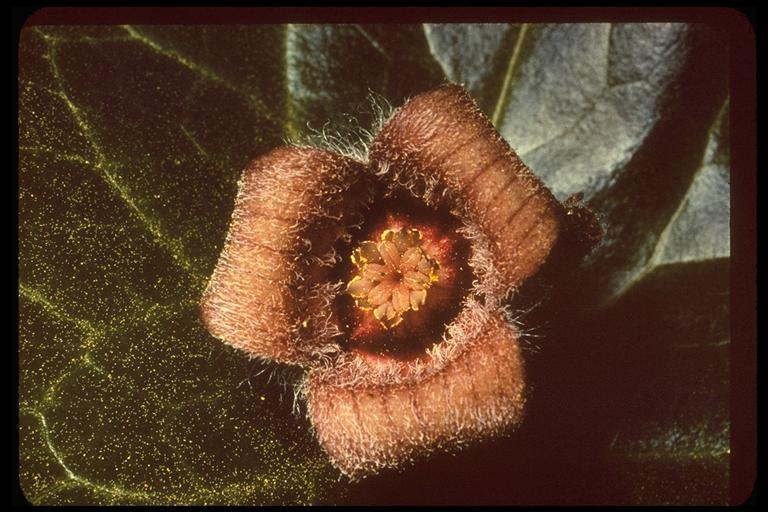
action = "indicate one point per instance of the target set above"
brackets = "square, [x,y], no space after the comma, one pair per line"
[132,139]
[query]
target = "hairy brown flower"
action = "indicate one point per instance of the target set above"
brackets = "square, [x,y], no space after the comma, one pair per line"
[387,280]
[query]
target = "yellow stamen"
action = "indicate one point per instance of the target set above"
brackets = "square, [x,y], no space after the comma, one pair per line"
[392,269]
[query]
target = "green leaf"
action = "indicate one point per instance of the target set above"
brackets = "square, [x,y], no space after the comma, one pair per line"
[132,139]
[680,453]
[131,142]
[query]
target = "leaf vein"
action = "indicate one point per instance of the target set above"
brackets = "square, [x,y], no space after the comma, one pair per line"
[104,166]
[511,68]
[255,103]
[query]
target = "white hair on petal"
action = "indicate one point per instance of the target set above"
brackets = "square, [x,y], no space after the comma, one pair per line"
[350,140]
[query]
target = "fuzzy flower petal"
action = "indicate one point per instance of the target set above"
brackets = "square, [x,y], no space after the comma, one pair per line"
[255,288]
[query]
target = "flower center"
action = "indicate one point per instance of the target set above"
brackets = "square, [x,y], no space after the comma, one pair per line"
[392,276]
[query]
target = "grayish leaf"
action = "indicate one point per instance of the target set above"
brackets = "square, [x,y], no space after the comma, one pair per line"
[700,228]
[586,96]
[332,69]
[320,84]
[469,54]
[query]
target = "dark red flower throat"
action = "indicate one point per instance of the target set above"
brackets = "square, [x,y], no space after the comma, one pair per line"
[431,268]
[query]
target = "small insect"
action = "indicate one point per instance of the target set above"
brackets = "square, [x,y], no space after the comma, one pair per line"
[581,223]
